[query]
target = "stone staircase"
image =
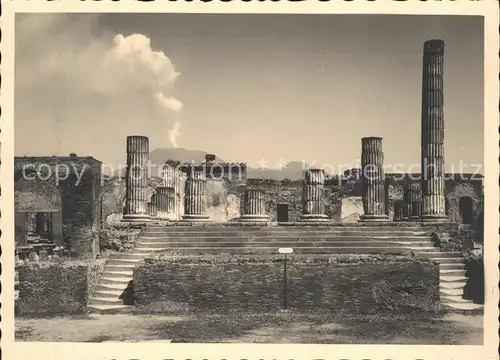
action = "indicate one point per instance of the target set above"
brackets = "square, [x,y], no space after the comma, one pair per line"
[193,241]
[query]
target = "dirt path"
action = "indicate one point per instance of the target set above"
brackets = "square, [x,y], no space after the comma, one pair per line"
[452,329]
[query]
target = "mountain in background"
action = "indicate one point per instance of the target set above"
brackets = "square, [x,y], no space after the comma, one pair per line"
[291,171]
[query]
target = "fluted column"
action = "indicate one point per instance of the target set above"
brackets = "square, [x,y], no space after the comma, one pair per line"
[373,179]
[412,196]
[195,198]
[432,134]
[172,179]
[165,198]
[313,196]
[254,206]
[152,209]
[137,179]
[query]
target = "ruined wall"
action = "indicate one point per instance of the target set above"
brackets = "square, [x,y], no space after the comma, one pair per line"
[454,190]
[53,288]
[355,283]
[73,186]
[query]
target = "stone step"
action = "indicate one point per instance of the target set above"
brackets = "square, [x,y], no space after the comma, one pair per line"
[118,274]
[451,266]
[106,280]
[452,272]
[283,233]
[421,249]
[133,255]
[108,293]
[448,261]
[278,244]
[111,287]
[106,301]
[127,267]
[117,261]
[452,279]
[454,299]
[110,309]
[449,285]
[463,307]
[442,254]
[147,250]
[274,250]
[451,292]
[303,237]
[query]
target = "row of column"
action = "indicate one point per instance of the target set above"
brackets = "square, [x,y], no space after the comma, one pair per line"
[138,205]
[431,204]
[424,200]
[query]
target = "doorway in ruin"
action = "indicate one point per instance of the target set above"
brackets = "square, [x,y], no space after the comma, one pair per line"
[466,210]
[282,212]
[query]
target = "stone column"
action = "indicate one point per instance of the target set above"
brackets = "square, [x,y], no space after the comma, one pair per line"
[172,179]
[165,201]
[432,133]
[137,179]
[313,196]
[412,196]
[254,206]
[195,198]
[152,209]
[398,210]
[373,180]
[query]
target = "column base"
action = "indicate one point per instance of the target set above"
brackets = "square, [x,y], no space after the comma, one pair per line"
[254,218]
[374,218]
[314,218]
[195,218]
[434,217]
[136,218]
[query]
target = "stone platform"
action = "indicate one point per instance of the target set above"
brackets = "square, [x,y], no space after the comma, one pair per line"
[198,239]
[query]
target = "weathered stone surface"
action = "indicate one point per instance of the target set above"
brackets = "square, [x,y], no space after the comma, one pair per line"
[255,205]
[313,196]
[52,289]
[373,179]
[195,196]
[358,283]
[432,151]
[137,179]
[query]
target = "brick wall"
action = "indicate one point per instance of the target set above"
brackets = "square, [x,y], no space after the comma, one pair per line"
[56,288]
[360,283]
[75,196]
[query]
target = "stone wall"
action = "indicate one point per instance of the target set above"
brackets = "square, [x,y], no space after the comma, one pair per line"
[358,283]
[70,186]
[56,288]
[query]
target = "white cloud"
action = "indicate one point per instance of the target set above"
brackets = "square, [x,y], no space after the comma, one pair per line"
[67,72]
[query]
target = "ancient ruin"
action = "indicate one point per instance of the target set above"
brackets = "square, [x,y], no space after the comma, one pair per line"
[433,198]
[234,214]
[373,179]
[255,206]
[195,203]
[313,196]
[136,208]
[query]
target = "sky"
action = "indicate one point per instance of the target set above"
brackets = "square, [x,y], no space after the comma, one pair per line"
[244,87]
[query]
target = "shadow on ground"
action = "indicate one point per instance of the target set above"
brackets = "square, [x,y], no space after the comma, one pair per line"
[415,328]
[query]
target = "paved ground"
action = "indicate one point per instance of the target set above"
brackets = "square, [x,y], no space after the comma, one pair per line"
[247,328]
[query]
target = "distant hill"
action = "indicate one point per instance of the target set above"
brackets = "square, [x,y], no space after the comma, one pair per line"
[291,171]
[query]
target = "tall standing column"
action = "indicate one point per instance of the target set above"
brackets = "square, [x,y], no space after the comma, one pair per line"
[195,198]
[412,196]
[432,133]
[165,197]
[137,179]
[313,196]
[254,206]
[373,179]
